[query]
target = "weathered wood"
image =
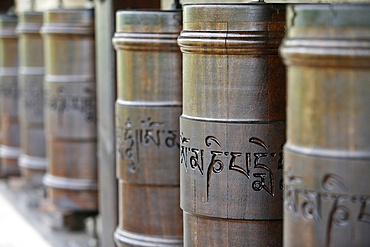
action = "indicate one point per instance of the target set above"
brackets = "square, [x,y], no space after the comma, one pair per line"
[32,160]
[233,124]
[9,126]
[70,109]
[327,155]
[147,127]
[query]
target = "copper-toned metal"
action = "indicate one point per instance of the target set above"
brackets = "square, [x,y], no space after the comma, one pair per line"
[147,128]
[32,160]
[327,155]
[70,109]
[9,127]
[233,124]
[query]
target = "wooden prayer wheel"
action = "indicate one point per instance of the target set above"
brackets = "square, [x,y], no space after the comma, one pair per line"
[9,127]
[147,127]
[233,124]
[32,161]
[327,154]
[70,109]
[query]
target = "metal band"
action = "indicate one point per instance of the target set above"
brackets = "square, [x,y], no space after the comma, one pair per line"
[9,152]
[69,183]
[122,236]
[321,152]
[148,103]
[32,162]
[31,70]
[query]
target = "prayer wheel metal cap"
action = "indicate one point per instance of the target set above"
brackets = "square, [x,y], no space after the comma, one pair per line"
[148,21]
[29,22]
[347,42]
[73,21]
[232,29]
[147,30]
[7,26]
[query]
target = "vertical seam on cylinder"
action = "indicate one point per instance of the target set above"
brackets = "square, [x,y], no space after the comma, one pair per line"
[228,117]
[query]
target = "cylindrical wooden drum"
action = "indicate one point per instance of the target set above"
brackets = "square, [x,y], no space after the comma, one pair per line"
[70,109]
[147,128]
[327,155]
[9,127]
[233,124]
[32,160]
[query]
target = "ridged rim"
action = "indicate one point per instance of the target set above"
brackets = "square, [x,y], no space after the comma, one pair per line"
[126,237]
[32,162]
[9,152]
[146,41]
[335,35]
[69,183]
[254,29]
[29,22]
[68,21]
[8,31]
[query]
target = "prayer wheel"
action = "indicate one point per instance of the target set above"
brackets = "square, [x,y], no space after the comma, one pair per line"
[9,126]
[147,127]
[70,109]
[327,154]
[32,161]
[233,124]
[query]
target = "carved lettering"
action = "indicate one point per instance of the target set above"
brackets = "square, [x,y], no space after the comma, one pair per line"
[132,136]
[33,99]
[252,165]
[9,90]
[308,204]
[61,103]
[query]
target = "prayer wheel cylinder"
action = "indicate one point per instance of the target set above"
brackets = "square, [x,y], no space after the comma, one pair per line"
[70,109]
[9,126]
[147,127]
[327,154]
[32,161]
[233,124]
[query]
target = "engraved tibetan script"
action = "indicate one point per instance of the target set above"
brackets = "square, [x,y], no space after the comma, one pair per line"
[256,166]
[84,104]
[148,133]
[330,208]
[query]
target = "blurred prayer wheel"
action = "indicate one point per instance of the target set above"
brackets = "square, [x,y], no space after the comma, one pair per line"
[233,124]
[32,161]
[9,127]
[147,128]
[70,109]
[327,155]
